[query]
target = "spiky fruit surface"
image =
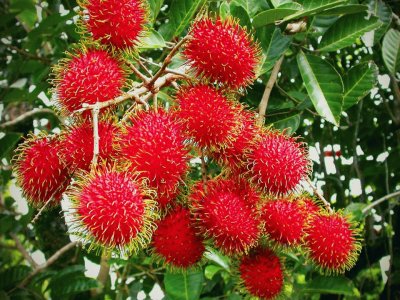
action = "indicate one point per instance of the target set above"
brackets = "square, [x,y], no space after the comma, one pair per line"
[284,221]
[262,274]
[175,240]
[112,209]
[278,163]
[40,172]
[209,117]
[332,242]
[308,206]
[222,50]
[117,22]
[233,156]
[88,77]
[77,145]
[225,211]
[154,146]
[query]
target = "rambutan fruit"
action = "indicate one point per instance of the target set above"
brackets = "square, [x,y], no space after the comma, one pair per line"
[88,77]
[111,208]
[208,116]
[117,22]
[39,170]
[222,50]
[284,221]
[154,145]
[175,241]
[77,142]
[261,274]
[226,212]
[277,162]
[308,206]
[332,242]
[234,155]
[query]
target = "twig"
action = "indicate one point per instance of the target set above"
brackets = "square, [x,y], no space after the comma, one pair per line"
[103,272]
[167,61]
[96,137]
[29,55]
[141,64]
[203,169]
[320,196]
[27,115]
[139,74]
[155,101]
[262,108]
[47,264]
[23,251]
[379,201]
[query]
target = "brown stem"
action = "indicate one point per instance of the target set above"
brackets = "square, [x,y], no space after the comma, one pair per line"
[262,108]
[47,264]
[379,201]
[320,196]
[23,251]
[96,137]
[137,72]
[104,271]
[27,115]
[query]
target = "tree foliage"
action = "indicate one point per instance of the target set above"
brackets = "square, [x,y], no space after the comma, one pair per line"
[338,87]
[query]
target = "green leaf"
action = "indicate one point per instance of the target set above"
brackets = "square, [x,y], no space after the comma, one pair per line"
[346,30]
[313,7]
[240,13]
[252,6]
[332,285]
[183,286]
[270,16]
[290,125]
[358,82]
[224,10]
[7,143]
[211,270]
[345,10]
[355,211]
[324,86]
[153,40]
[11,276]
[73,285]
[273,43]
[217,257]
[391,50]
[383,11]
[180,15]
[155,6]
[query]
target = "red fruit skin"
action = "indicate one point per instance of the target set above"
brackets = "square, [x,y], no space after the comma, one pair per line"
[234,155]
[153,144]
[222,50]
[225,211]
[117,22]
[209,117]
[332,242]
[88,77]
[175,240]
[284,221]
[308,206]
[262,274]
[113,208]
[277,163]
[40,172]
[78,146]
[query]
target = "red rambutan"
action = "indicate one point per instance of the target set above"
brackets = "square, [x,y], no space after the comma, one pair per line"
[209,117]
[261,273]
[277,163]
[77,144]
[225,211]
[308,206]
[222,50]
[40,172]
[112,209]
[175,240]
[117,22]
[153,144]
[332,242]
[233,156]
[88,77]
[284,221]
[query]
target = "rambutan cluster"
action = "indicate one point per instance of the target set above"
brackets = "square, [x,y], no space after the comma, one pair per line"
[131,188]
